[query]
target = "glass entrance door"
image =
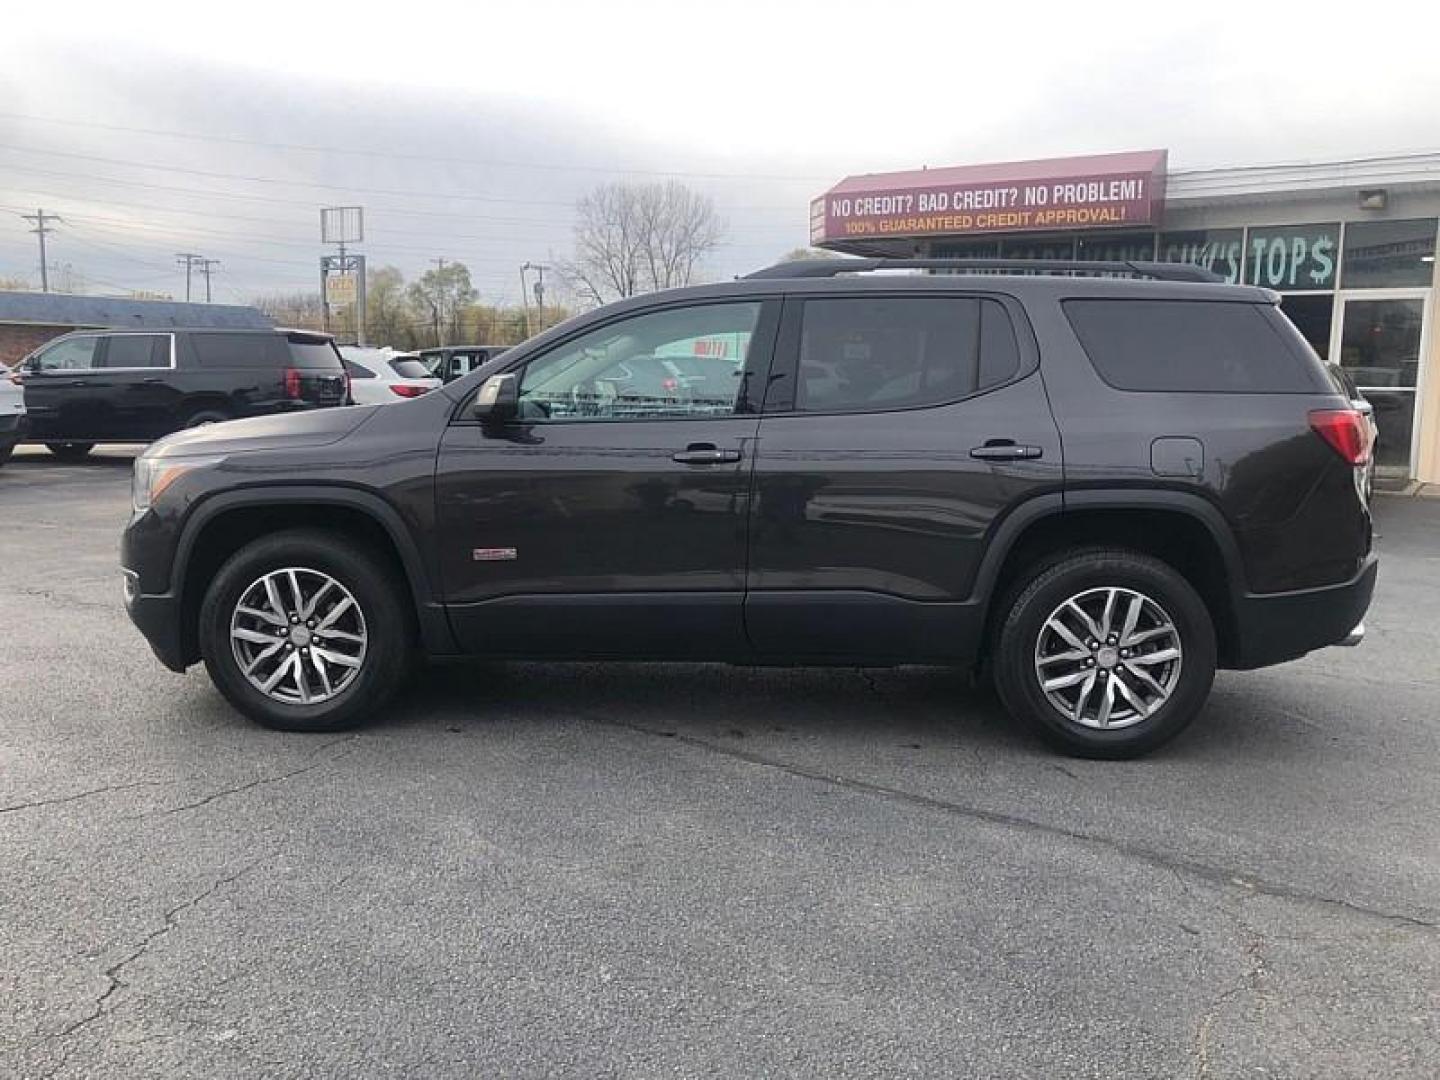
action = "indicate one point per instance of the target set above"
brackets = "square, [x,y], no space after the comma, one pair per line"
[1379,338]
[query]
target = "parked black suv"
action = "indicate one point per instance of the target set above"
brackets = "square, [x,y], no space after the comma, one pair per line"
[1099,489]
[137,385]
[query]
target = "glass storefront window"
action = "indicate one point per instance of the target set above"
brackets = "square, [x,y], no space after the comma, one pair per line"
[1220,250]
[1380,348]
[1380,341]
[1293,258]
[1312,315]
[968,249]
[1118,247]
[1044,247]
[1395,420]
[1388,254]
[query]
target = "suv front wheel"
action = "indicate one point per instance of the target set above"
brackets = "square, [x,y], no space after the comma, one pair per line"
[303,631]
[1106,653]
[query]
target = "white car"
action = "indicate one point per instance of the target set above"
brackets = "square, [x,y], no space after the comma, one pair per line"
[378,376]
[12,412]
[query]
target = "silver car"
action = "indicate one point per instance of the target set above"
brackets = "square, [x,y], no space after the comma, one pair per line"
[12,412]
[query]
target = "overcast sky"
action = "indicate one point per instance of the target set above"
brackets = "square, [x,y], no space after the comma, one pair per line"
[468,131]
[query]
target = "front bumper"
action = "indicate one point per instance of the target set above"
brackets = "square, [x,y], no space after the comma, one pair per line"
[158,618]
[1273,628]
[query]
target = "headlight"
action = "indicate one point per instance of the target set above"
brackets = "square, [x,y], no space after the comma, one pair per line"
[154,474]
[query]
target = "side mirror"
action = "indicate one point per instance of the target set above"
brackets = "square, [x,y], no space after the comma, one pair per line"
[498,400]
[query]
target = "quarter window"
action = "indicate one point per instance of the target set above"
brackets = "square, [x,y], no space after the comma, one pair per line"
[1194,346]
[73,354]
[682,362]
[893,353]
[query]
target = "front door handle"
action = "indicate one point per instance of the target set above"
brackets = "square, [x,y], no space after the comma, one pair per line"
[1005,450]
[705,454]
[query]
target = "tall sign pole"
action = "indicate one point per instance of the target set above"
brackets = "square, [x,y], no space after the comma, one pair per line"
[342,276]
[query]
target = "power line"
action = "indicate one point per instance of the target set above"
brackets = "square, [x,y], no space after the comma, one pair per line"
[391,156]
[398,192]
[407,193]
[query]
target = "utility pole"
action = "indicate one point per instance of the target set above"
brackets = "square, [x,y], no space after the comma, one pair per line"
[41,228]
[190,261]
[205,265]
[539,288]
[525,296]
[439,306]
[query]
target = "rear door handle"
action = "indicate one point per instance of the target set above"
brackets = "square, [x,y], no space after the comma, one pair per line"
[705,454]
[1005,450]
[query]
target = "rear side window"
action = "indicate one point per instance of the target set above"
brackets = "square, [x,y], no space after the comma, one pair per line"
[1190,346]
[408,368]
[233,350]
[358,371]
[137,351]
[313,352]
[894,353]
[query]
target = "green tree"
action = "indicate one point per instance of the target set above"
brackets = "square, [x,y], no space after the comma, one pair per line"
[387,314]
[438,297]
[797,254]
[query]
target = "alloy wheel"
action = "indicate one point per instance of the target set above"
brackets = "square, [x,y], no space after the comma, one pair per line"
[1108,658]
[298,636]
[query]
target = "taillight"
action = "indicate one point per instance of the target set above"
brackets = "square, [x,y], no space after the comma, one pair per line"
[349,398]
[407,391]
[292,383]
[1346,431]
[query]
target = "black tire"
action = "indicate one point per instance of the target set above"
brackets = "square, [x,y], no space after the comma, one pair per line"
[388,616]
[206,416]
[70,451]
[1072,574]
[5,452]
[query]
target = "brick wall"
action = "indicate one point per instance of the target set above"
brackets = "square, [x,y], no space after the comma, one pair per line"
[18,339]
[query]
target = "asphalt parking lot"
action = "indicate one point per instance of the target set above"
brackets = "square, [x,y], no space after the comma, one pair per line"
[612,870]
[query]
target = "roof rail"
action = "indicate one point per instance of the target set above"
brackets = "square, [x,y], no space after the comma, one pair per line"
[824,268]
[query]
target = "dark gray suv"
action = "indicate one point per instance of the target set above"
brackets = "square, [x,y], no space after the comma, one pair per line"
[1096,482]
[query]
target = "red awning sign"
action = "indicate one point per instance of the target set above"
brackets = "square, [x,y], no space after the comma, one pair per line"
[1069,193]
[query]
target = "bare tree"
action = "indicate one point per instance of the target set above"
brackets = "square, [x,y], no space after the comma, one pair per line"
[637,238]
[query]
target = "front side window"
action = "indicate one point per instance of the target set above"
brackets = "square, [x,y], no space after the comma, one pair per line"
[896,353]
[137,351]
[72,354]
[682,362]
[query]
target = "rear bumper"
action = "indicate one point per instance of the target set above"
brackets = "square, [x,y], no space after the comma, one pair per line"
[12,429]
[1274,628]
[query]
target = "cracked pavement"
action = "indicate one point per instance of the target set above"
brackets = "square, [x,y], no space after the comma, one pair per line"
[635,870]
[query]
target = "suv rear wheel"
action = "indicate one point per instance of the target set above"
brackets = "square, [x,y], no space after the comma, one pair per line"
[1106,653]
[303,631]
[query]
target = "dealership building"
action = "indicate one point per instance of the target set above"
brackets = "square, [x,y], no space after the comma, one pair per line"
[1349,245]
